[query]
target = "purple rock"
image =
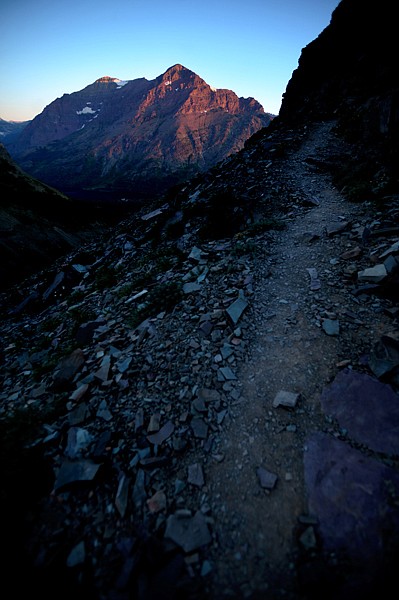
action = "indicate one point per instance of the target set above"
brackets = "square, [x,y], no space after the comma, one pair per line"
[351,495]
[366,408]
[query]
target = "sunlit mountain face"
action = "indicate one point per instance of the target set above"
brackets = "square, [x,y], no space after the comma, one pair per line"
[131,139]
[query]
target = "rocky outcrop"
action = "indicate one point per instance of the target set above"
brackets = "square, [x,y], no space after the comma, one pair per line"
[130,138]
[349,72]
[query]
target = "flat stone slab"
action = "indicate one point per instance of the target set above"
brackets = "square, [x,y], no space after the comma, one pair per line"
[188,532]
[353,497]
[189,288]
[366,408]
[161,435]
[236,309]
[71,472]
[373,274]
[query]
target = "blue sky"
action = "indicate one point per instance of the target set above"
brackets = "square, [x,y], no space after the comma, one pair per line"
[52,47]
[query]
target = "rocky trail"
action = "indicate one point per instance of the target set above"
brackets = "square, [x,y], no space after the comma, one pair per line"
[235,435]
[307,328]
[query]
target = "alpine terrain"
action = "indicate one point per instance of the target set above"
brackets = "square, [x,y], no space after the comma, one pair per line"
[202,403]
[129,139]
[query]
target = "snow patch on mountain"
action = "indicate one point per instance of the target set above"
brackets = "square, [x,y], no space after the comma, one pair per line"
[87,110]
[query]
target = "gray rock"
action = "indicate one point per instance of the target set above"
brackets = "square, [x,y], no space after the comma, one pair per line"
[122,494]
[79,392]
[80,268]
[78,440]
[77,555]
[67,368]
[391,250]
[59,278]
[157,502]
[123,365]
[103,411]
[226,351]
[284,398]
[372,274]
[236,309]
[314,280]
[196,254]
[190,287]
[188,532]
[331,326]
[227,373]
[206,328]
[79,415]
[153,213]
[103,372]
[267,479]
[139,494]
[85,333]
[334,228]
[161,435]
[199,427]
[391,264]
[196,475]
[72,472]
[383,359]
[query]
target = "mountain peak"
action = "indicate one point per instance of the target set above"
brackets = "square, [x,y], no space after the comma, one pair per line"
[154,132]
[107,79]
[176,72]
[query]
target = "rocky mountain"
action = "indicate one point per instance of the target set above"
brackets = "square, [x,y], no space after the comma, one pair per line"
[349,73]
[131,138]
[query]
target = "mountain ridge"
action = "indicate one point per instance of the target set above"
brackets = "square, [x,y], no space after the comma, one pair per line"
[133,137]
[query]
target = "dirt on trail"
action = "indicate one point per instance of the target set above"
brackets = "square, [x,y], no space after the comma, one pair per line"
[300,283]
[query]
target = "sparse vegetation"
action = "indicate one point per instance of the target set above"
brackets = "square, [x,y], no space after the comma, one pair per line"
[105,278]
[266,224]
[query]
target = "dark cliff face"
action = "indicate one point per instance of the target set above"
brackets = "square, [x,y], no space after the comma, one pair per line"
[349,73]
[129,138]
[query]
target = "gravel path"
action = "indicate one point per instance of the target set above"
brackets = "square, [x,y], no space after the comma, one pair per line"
[258,528]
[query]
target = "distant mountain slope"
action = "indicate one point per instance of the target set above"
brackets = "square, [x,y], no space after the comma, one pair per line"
[37,223]
[10,130]
[127,138]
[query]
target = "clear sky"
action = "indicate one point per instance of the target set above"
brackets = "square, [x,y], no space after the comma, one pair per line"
[52,47]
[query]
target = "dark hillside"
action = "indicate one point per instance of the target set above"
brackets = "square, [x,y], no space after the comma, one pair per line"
[39,224]
[350,73]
